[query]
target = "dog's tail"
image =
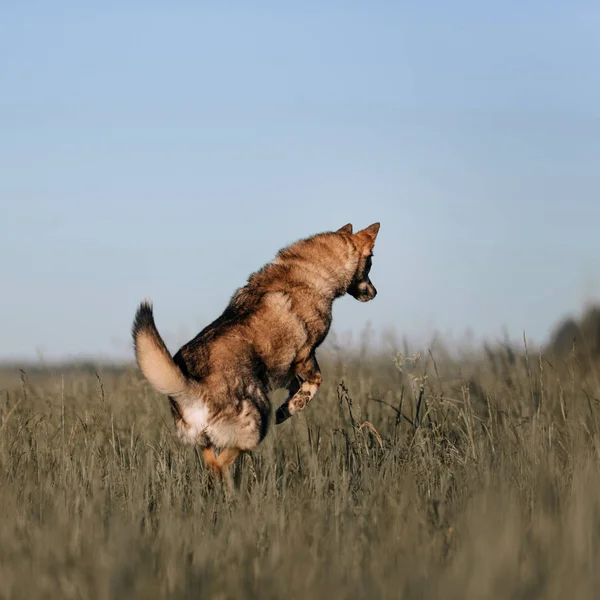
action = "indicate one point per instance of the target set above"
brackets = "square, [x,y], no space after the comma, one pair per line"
[153,358]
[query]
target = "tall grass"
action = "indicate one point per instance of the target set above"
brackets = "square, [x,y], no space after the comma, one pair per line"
[407,477]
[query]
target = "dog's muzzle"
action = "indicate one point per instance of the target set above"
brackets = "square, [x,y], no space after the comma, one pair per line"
[363,292]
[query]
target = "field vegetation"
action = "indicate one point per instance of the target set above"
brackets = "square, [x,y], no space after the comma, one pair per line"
[411,475]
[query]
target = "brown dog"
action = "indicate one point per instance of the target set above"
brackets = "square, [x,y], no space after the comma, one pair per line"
[266,338]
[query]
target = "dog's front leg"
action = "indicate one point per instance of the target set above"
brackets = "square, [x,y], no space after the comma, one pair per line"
[301,390]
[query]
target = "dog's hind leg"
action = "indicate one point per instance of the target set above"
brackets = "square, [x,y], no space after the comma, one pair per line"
[226,458]
[301,392]
[224,461]
[210,459]
[219,465]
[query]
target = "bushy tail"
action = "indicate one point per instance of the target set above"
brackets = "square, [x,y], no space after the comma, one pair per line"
[153,358]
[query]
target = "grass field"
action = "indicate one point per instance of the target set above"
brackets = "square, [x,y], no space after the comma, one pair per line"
[440,477]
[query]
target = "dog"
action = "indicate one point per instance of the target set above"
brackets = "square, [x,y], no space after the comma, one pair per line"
[218,383]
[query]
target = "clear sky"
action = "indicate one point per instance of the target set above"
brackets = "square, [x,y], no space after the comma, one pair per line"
[168,149]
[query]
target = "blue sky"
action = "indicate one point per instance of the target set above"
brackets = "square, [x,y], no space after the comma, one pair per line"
[168,149]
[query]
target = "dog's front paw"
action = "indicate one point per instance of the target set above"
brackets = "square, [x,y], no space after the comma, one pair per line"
[282,413]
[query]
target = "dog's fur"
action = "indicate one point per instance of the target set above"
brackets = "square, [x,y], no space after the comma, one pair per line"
[266,338]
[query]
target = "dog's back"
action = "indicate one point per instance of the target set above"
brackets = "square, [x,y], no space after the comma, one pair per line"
[284,307]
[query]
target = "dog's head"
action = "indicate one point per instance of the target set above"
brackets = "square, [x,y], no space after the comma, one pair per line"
[361,286]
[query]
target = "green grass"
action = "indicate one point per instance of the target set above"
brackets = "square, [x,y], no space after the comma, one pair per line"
[476,477]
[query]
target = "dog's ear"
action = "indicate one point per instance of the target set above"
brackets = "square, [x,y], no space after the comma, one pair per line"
[366,237]
[345,229]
